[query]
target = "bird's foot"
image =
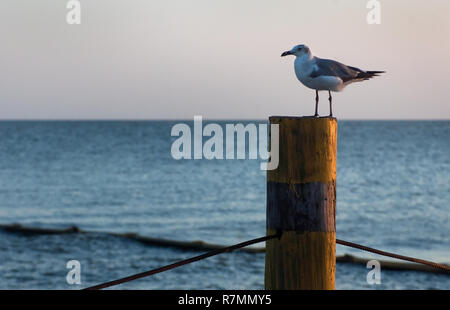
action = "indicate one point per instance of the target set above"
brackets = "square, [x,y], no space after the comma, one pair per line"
[316,115]
[331,115]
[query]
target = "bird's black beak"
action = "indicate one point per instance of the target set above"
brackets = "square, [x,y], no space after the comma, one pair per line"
[286,53]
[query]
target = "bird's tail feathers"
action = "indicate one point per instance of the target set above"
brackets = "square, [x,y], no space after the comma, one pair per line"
[365,75]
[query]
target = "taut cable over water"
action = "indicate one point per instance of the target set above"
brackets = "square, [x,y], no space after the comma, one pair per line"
[278,235]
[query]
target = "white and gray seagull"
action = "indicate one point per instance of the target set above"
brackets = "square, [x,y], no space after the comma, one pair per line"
[325,74]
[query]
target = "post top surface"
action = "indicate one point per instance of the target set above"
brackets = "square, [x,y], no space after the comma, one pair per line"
[302,117]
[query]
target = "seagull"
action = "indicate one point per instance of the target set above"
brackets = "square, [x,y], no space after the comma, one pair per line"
[324,74]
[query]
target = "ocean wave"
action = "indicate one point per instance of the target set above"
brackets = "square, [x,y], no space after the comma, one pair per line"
[200,245]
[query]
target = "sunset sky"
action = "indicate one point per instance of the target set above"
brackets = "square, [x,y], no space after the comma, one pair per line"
[142,59]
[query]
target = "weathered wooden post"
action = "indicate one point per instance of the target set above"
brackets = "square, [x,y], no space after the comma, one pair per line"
[301,204]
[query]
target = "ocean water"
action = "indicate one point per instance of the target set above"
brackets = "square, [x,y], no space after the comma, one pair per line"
[393,193]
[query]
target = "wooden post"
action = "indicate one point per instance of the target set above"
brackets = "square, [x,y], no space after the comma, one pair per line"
[301,204]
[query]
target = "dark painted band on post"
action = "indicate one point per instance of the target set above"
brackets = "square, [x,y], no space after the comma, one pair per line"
[301,207]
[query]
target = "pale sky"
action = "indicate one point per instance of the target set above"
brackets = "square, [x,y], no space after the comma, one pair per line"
[143,59]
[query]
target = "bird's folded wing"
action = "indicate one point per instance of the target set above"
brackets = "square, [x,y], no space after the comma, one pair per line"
[328,67]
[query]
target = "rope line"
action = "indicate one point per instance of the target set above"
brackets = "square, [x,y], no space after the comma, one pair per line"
[250,242]
[182,262]
[393,255]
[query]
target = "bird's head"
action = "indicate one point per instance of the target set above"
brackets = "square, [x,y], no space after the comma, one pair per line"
[298,51]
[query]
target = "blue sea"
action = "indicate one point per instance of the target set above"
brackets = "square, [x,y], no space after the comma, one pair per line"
[393,193]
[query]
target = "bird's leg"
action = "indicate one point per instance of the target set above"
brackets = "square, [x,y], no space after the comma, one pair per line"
[317,103]
[331,100]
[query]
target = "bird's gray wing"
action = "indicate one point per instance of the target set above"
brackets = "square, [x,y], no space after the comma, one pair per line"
[328,67]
